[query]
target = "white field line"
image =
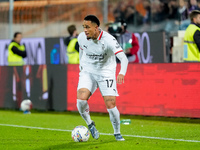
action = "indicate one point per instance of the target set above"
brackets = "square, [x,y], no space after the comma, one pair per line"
[136,136]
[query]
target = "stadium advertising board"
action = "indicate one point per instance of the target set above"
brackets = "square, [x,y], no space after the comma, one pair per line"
[55,51]
[149,89]
[152,47]
[44,85]
[4,52]
[23,82]
[35,51]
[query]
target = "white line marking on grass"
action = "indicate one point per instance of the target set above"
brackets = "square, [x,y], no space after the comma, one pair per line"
[136,136]
[19,126]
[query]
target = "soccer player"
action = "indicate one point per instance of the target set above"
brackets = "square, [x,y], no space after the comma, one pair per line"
[98,51]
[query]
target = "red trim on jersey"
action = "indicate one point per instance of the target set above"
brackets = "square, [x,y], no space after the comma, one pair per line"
[80,48]
[100,35]
[119,52]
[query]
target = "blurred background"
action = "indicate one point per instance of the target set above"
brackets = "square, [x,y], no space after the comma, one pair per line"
[49,18]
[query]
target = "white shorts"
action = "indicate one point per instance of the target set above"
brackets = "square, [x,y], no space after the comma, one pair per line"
[106,84]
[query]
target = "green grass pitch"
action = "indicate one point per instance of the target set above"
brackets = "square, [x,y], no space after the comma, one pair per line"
[52,131]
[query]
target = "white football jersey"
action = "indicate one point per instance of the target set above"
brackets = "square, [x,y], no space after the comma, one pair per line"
[98,56]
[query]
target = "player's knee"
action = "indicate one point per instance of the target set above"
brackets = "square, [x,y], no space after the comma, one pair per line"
[110,103]
[82,97]
[83,94]
[110,106]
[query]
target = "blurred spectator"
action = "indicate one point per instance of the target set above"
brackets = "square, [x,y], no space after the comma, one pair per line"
[183,15]
[191,39]
[192,5]
[119,11]
[128,42]
[198,4]
[132,52]
[161,11]
[142,12]
[154,9]
[130,15]
[72,45]
[164,13]
[173,9]
[147,6]
[182,10]
[16,51]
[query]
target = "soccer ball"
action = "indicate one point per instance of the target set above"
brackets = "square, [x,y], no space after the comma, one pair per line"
[26,105]
[80,134]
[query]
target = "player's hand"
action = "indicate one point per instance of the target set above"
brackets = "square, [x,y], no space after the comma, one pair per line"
[120,79]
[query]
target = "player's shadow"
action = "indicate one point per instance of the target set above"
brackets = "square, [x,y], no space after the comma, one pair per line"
[78,145]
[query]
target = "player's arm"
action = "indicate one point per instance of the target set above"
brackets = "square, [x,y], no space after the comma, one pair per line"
[80,50]
[80,53]
[124,64]
[80,56]
[116,48]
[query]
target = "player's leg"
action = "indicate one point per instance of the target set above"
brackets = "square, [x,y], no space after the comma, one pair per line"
[86,87]
[109,91]
[114,114]
[110,102]
[83,95]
